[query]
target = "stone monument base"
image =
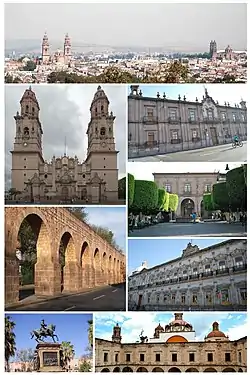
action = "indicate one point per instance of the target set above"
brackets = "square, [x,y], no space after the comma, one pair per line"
[49,357]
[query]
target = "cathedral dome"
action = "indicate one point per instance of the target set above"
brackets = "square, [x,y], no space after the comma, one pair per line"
[159,328]
[178,321]
[216,332]
[100,94]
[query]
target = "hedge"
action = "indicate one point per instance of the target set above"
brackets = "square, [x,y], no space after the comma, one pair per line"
[208,202]
[220,196]
[122,188]
[145,197]
[131,189]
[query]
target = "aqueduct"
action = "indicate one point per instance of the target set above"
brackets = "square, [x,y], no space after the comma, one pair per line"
[89,260]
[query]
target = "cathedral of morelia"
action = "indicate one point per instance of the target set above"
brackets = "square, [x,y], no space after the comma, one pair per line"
[65,179]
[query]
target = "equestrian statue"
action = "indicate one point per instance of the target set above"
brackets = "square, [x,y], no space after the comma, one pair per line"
[44,331]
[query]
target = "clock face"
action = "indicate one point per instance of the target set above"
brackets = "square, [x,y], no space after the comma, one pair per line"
[25,144]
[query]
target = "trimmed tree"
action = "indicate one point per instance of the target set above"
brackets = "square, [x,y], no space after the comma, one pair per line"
[166,202]
[131,189]
[208,202]
[220,196]
[173,202]
[237,189]
[122,188]
[161,198]
[145,197]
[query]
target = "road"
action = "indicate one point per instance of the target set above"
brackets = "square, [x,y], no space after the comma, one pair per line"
[222,153]
[108,298]
[203,229]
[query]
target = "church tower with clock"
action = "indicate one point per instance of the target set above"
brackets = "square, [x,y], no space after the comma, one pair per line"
[27,153]
[102,155]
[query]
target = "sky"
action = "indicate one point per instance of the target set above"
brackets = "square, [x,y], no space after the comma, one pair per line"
[113,218]
[64,112]
[141,173]
[233,325]
[232,93]
[69,327]
[164,250]
[185,26]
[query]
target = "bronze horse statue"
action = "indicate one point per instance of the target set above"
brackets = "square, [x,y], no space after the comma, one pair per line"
[41,334]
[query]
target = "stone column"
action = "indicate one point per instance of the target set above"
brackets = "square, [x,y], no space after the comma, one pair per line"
[71,276]
[86,280]
[11,279]
[91,271]
[47,278]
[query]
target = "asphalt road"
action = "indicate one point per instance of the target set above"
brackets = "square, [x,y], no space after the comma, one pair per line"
[222,153]
[108,298]
[202,229]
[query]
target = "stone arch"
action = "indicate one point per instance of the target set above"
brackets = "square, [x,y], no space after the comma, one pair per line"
[229,369]
[45,278]
[157,369]
[105,268]
[240,370]
[117,369]
[174,369]
[114,270]
[105,370]
[141,369]
[85,264]
[69,265]
[210,369]
[192,369]
[187,207]
[97,267]
[127,369]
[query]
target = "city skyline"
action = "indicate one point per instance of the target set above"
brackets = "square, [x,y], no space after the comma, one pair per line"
[132,323]
[167,250]
[65,113]
[67,329]
[77,19]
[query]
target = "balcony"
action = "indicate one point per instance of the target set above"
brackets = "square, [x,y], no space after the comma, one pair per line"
[175,120]
[213,120]
[176,141]
[222,271]
[150,119]
[207,274]
[242,267]
[194,277]
[151,144]
[193,120]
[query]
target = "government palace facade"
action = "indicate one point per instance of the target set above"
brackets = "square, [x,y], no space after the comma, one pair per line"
[65,178]
[172,348]
[213,278]
[161,125]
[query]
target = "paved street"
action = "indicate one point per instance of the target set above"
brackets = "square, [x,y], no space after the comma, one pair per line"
[222,153]
[108,298]
[203,229]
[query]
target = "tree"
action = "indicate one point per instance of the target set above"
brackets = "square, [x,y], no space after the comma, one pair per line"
[27,239]
[13,192]
[68,353]
[26,357]
[208,202]
[85,366]
[145,197]
[10,341]
[90,333]
[30,66]
[122,188]
[237,189]
[79,213]
[220,196]
[131,189]
[105,233]
[173,202]
[161,198]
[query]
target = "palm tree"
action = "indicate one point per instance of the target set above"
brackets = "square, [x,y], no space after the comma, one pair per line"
[90,333]
[68,352]
[10,342]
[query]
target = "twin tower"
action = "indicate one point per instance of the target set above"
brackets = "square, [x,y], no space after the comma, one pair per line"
[63,57]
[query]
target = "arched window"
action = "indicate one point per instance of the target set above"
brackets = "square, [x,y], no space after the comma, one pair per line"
[26,131]
[102,108]
[27,109]
[103,131]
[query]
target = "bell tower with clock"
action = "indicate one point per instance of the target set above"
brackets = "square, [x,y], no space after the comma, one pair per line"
[102,154]
[27,152]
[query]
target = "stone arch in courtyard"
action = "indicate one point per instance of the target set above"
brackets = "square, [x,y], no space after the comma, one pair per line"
[157,369]
[141,369]
[187,207]
[174,369]
[210,369]
[127,369]
[228,369]
[105,370]
[56,228]
[192,369]
[117,369]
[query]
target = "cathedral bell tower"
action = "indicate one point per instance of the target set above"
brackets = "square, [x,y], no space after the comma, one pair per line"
[116,337]
[45,49]
[101,154]
[67,49]
[27,152]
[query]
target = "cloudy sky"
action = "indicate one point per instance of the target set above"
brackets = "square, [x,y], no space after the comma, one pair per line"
[64,112]
[233,325]
[187,26]
[113,218]
[141,173]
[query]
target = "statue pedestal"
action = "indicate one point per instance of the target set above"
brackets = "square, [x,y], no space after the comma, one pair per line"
[49,357]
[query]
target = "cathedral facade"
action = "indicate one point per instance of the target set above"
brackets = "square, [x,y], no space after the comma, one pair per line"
[213,278]
[94,180]
[62,57]
[172,348]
